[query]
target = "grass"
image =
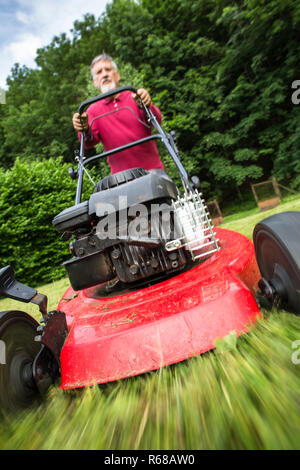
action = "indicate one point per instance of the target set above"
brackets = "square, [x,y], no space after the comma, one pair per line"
[242,395]
[244,222]
[54,292]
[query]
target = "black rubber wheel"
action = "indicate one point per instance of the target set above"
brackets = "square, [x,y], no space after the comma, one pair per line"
[277,247]
[18,350]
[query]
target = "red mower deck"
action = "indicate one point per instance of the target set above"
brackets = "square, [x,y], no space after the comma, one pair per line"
[117,337]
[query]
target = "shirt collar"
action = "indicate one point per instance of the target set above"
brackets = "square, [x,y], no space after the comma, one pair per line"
[108,100]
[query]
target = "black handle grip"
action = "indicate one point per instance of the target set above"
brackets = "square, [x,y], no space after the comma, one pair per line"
[12,288]
[105,95]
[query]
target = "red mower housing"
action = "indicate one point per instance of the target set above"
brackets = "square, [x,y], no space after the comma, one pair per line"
[112,338]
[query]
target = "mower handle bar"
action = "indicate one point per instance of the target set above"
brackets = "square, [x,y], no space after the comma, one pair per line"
[150,117]
[120,149]
[108,94]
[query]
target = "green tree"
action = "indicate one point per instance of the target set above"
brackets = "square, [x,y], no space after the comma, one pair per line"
[220,70]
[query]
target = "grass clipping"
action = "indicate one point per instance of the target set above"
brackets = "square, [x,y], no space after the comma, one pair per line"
[242,395]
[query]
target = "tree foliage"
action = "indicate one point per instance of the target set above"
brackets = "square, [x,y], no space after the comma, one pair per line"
[220,70]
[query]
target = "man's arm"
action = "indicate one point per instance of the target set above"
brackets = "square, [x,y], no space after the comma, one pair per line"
[82,122]
[145,96]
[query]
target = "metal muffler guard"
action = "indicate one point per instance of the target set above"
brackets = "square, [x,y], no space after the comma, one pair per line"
[193,223]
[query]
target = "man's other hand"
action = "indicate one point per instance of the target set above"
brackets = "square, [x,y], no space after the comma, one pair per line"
[144,95]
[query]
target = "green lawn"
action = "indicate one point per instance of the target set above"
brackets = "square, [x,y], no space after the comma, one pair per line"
[243,395]
[244,222]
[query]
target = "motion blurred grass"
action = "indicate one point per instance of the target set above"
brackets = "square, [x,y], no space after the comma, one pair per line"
[243,395]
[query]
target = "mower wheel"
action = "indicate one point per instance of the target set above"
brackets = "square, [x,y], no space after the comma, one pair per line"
[17,352]
[277,247]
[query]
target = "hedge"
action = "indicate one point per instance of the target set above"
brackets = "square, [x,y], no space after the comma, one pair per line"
[32,193]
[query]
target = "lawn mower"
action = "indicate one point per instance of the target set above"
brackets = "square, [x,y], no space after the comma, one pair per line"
[152,282]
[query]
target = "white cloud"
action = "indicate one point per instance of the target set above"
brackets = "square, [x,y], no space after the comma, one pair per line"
[35,23]
[23,49]
[23,17]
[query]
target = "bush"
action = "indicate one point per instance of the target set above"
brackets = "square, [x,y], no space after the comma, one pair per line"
[32,193]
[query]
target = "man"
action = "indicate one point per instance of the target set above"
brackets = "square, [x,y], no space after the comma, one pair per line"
[121,127]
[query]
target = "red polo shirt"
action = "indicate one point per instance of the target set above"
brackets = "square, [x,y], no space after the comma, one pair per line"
[121,127]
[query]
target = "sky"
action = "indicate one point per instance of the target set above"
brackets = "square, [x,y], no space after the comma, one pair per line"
[27,25]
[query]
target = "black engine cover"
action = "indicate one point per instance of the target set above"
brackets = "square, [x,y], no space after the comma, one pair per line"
[145,189]
[105,245]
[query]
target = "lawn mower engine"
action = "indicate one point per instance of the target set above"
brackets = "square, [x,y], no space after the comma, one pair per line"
[134,227]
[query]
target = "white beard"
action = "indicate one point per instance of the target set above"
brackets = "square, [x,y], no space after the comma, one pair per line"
[108,86]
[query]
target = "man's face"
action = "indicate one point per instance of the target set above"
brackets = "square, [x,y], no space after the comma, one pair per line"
[105,76]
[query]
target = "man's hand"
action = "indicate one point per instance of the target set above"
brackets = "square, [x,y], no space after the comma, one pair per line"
[142,93]
[80,122]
